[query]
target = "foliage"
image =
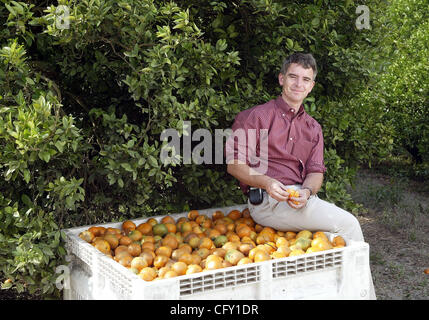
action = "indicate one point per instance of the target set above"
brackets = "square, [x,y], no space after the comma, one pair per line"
[84,99]
[402,85]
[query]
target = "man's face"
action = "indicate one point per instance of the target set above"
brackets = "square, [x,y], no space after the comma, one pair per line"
[296,84]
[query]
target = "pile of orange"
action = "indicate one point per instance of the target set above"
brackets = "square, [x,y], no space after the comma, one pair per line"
[170,248]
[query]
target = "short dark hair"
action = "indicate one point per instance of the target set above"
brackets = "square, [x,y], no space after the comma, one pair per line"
[306,60]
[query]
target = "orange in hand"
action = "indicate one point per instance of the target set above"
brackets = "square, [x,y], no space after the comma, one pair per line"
[293,193]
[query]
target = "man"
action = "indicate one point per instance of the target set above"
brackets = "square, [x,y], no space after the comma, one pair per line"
[289,146]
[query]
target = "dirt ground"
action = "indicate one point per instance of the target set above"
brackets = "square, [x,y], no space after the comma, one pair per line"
[396,227]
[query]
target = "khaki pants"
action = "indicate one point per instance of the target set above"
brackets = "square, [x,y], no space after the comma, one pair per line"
[317,215]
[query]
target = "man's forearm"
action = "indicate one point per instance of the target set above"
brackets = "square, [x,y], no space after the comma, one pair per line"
[313,181]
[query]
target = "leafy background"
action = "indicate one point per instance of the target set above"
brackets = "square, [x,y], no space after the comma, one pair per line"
[82,108]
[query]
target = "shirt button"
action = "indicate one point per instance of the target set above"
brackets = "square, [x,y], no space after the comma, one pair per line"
[290,139]
[283,114]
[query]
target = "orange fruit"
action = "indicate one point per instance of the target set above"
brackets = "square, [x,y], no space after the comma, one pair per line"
[217,215]
[296,252]
[121,248]
[159,229]
[186,247]
[245,213]
[290,235]
[145,228]
[193,268]
[170,274]
[233,256]
[213,233]
[270,247]
[282,241]
[152,221]
[261,255]
[196,259]
[221,227]
[203,252]
[320,234]
[171,227]
[138,263]
[278,254]
[339,241]
[179,267]
[128,226]
[112,240]
[243,231]
[193,214]
[176,254]
[164,251]
[135,235]
[186,258]
[134,249]
[304,234]
[168,219]
[125,240]
[252,252]
[111,230]
[321,244]
[244,260]
[186,227]
[426,271]
[246,247]
[213,264]
[147,255]
[206,243]
[233,238]
[160,261]
[148,245]
[97,231]
[102,245]
[285,250]
[87,236]
[171,241]
[234,214]
[162,271]
[147,274]
[126,260]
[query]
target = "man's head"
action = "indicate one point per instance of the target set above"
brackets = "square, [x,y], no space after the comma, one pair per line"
[305,60]
[297,78]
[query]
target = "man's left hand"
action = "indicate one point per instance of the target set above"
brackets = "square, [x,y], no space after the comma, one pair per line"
[301,201]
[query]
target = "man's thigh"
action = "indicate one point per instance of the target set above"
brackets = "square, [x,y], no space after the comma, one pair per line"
[317,215]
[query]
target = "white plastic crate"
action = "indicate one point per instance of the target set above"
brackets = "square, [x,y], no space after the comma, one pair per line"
[341,273]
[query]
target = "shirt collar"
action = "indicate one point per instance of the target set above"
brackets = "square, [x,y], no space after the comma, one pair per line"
[288,110]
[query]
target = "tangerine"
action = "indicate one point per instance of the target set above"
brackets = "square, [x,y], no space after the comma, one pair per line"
[147,274]
[128,226]
[193,214]
[145,228]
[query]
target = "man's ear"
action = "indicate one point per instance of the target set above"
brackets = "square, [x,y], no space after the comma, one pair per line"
[281,79]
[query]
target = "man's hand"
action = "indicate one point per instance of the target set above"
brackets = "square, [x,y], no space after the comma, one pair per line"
[300,201]
[276,190]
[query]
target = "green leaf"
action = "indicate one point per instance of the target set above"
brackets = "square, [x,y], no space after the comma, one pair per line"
[60,145]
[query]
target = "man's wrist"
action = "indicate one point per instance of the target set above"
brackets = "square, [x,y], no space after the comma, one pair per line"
[310,190]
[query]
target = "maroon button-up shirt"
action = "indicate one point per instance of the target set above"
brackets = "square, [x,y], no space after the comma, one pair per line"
[278,143]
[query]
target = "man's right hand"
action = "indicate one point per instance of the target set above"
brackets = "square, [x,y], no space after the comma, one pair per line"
[276,190]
